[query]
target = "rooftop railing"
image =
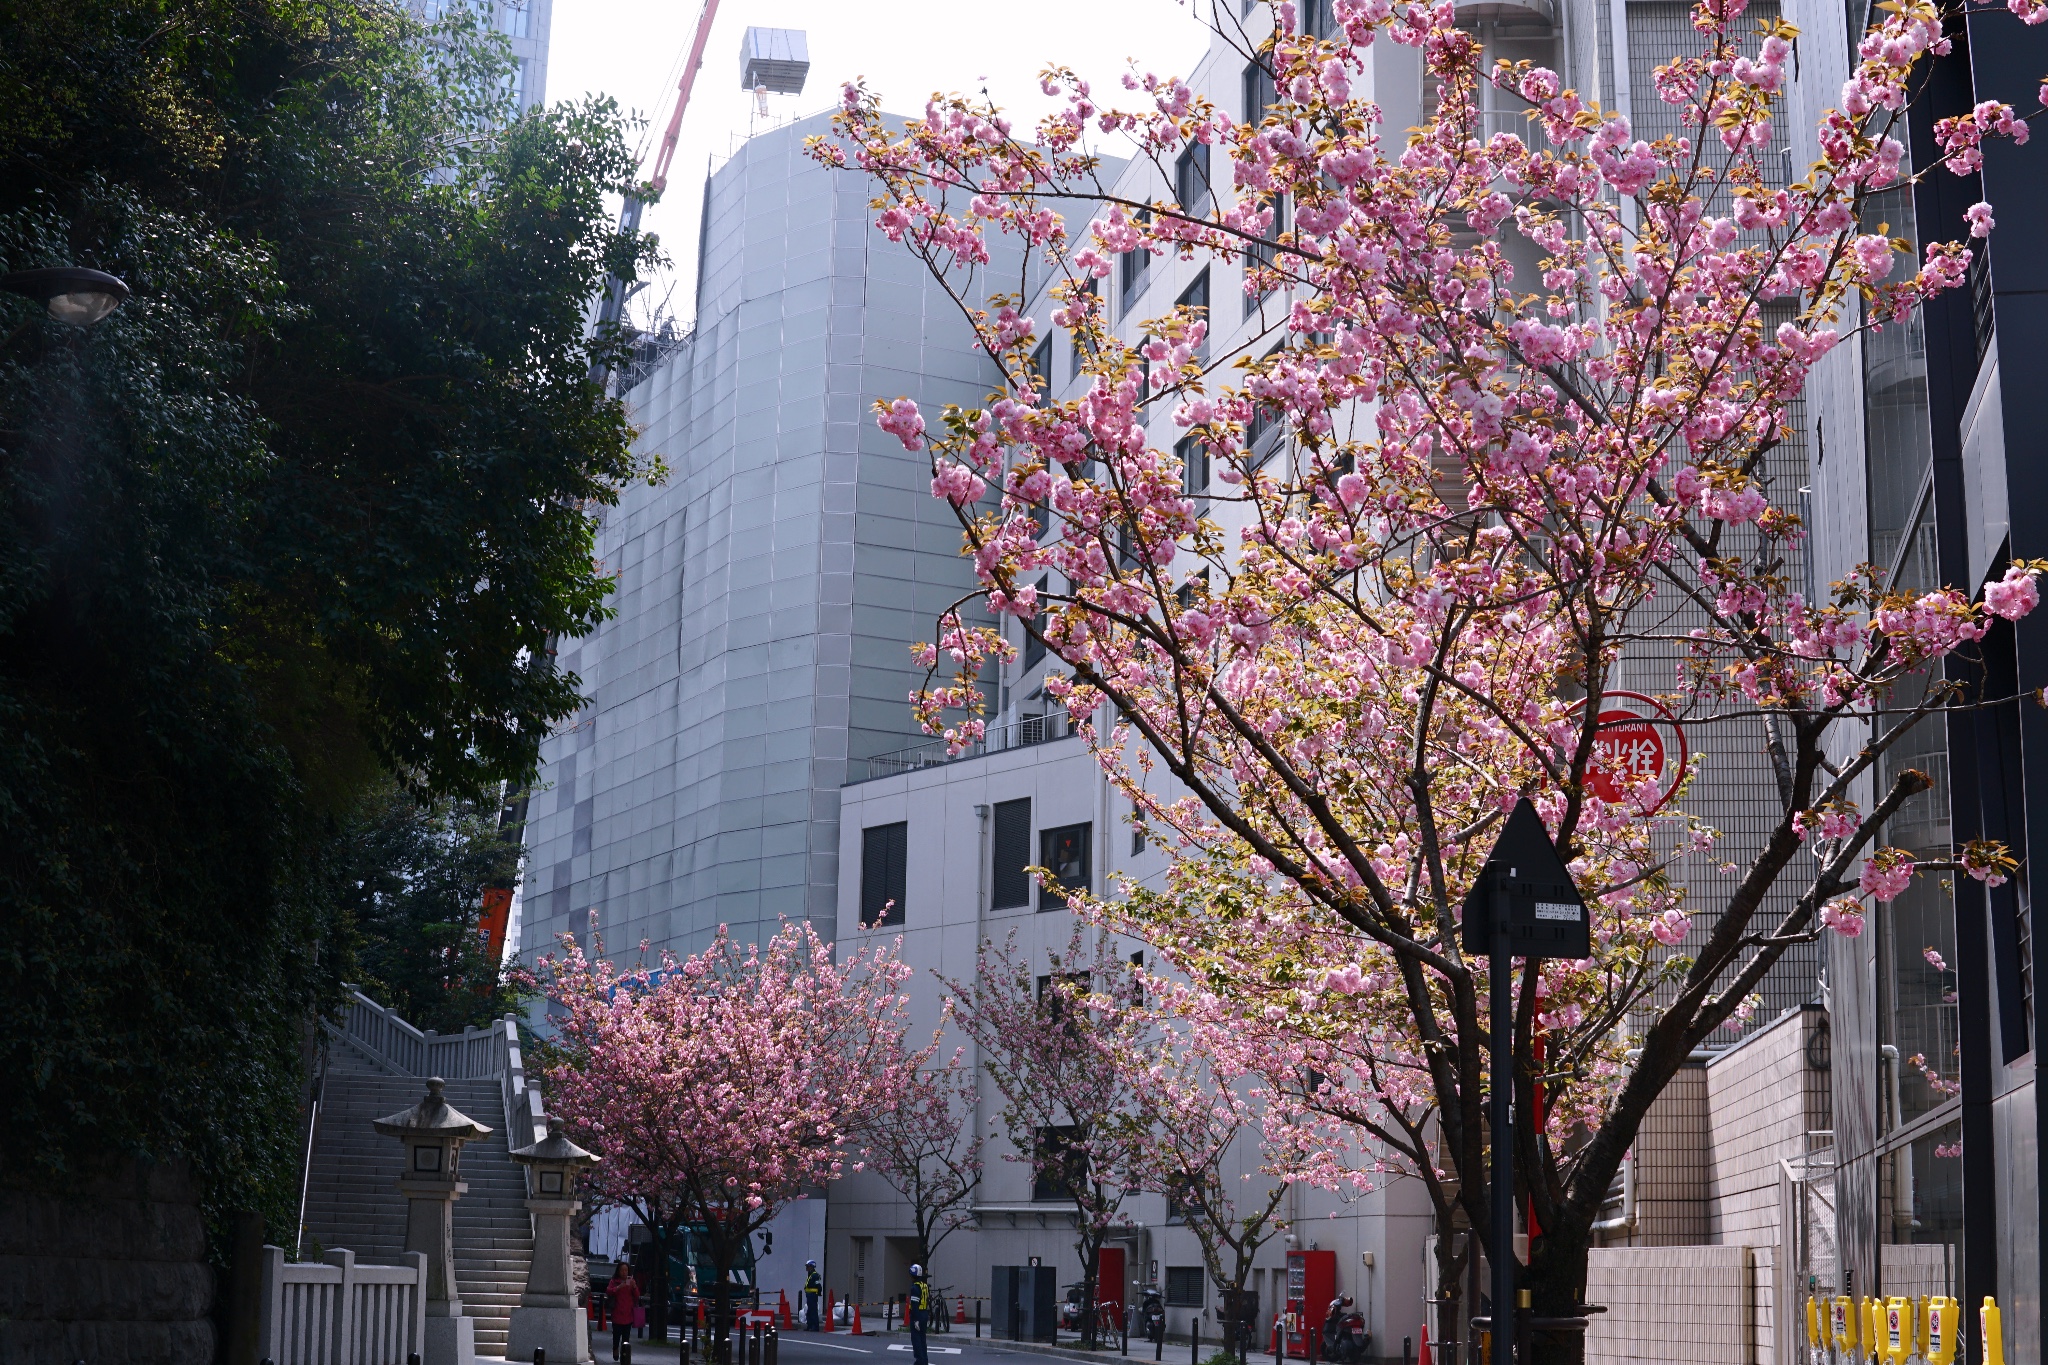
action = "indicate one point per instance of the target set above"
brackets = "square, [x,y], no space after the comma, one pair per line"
[1017,734]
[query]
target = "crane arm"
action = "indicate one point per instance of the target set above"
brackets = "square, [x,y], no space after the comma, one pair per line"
[689,79]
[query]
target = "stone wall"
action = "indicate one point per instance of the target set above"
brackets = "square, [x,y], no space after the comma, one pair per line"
[109,1270]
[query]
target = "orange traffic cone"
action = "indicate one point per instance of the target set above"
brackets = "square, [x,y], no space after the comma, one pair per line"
[700,1312]
[788,1324]
[856,1321]
[1424,1357]
[828,1310]
[959,1312]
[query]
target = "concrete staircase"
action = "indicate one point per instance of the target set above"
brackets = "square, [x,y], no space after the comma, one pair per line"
[352,1197]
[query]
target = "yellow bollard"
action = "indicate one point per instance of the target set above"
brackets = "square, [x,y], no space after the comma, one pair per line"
[1873,1329]
[1813,1338]
[1842,1317]
[1944,1315]
[1989,1319]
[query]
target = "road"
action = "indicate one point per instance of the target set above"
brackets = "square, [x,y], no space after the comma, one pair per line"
[958,1347]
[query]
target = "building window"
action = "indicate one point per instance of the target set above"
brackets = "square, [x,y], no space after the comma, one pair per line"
[518,19]
[1259,94]
[1011,883]
[1315,19]
[1064,853]
[1193,452]
[1195,298]
[883,850]
[1041,367]
[1191,180]
[1264,257]
[1185,1286]
[1034,646]
[1133,268]
[1262,435]
[1137,837]
[1059,1166]
[1090,287]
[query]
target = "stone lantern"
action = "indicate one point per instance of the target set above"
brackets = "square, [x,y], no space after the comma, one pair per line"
[547,1315]
[433,1132]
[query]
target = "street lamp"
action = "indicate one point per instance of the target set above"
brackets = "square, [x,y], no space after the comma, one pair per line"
[72,293]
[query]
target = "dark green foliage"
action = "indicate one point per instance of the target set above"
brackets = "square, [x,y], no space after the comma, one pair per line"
[305,513]
[413,879]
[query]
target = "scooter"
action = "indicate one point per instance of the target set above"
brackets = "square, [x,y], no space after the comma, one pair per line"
[1152,1317]
[1345,1340]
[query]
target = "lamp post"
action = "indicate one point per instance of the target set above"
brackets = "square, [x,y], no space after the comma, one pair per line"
[547,1316]
[71,293]
[433,1132]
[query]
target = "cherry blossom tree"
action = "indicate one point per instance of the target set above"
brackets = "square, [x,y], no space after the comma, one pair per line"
[1511,421]
[922,1141]
[1207,1107]
[720,1086]
[1062,1041]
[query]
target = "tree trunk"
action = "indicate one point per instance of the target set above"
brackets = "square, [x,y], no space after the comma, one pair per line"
[1090,1247]
[657,1286]
[1556,1280]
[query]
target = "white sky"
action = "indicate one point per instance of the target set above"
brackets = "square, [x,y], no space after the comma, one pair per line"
[633,50]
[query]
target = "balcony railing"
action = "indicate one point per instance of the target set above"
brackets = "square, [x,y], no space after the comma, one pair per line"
[1018,734]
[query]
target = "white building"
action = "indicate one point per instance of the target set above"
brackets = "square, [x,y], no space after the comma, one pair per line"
[959,886]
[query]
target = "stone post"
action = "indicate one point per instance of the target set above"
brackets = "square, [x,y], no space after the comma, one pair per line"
[548,1316]
[433,1132]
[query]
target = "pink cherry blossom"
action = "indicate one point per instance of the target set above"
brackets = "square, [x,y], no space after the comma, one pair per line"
[718,1087]
[2012,596]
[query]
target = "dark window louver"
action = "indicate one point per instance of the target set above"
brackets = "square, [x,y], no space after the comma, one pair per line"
[884,855]
[1011,884]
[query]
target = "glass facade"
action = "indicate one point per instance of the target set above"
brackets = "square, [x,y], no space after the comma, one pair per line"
[770,589]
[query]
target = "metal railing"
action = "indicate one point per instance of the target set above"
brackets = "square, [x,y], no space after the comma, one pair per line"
[1017,734]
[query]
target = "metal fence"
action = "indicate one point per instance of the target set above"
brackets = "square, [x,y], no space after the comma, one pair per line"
[1017,734]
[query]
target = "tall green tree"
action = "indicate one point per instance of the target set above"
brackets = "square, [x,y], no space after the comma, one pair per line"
[413,875]
[301,518]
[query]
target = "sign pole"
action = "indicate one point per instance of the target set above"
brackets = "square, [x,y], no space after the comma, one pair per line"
[1524,902]
[1502,989]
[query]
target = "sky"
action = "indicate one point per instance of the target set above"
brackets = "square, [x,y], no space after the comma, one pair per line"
[633,51]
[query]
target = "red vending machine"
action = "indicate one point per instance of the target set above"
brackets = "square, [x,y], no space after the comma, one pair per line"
[1311,1284]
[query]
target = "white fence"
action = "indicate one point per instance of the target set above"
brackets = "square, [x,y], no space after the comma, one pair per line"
[339,1313]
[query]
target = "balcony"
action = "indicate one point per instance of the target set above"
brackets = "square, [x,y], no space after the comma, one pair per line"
[1022,733]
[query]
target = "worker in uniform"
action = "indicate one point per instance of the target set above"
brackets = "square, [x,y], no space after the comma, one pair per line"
[814,1292]
[920,1313]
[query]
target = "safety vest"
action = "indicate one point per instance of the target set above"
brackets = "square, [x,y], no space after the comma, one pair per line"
[921,1295]
[812,1283]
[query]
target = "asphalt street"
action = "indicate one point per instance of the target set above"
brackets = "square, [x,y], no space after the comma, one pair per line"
[958,1347]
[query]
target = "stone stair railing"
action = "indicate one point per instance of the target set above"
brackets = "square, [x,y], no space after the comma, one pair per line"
[474,1054]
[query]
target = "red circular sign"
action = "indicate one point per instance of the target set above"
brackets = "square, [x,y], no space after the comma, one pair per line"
[1637,739]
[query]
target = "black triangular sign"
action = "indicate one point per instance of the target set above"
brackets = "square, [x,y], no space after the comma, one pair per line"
[1523,875]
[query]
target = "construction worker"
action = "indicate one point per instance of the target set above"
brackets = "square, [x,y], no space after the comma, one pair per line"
[814,1290]
[920,1313]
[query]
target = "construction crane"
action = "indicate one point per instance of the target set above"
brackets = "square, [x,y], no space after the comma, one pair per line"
[616,289]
